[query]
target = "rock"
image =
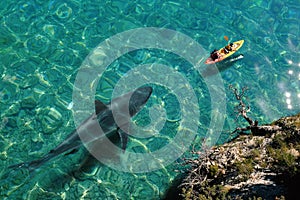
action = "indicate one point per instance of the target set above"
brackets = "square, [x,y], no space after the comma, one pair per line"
[51,119]
[13,109]
[12,122]
[28,103]
[28,82]
[264,165]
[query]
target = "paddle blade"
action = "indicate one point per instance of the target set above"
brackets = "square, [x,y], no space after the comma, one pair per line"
[226,38]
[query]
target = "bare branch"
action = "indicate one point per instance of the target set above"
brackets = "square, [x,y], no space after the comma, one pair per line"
[242,109]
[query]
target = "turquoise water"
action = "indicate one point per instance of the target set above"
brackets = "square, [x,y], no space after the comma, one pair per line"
[43,44]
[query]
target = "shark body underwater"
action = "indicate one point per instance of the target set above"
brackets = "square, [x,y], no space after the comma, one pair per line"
[124,107]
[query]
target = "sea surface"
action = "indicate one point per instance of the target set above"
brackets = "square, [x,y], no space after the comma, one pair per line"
[46,45]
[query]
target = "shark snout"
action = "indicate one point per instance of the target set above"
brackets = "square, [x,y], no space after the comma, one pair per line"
[132,102]
[138,99]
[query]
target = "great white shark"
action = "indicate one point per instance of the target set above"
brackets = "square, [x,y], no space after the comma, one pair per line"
[111,117]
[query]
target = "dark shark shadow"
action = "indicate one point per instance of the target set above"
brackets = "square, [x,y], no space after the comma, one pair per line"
[23,174]
[85,168]
[88,163]
[111,117]
[54,180]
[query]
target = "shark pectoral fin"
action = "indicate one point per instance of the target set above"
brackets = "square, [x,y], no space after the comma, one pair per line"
[124,139]
[72,152]
[99,106]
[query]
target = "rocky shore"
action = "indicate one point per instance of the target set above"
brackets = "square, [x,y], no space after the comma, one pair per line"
[260,165]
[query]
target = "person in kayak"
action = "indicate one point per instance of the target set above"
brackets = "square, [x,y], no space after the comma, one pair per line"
[215,54]
[228,48]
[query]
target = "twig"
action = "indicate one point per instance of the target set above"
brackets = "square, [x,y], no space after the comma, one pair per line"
[242,110]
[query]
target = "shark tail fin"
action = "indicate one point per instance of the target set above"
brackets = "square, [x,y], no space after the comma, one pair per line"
[25,165]
[32,165]
[19,165]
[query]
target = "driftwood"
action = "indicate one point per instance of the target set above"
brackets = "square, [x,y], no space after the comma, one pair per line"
[242,109]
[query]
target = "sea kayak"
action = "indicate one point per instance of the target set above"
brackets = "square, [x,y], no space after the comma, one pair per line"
[224,53]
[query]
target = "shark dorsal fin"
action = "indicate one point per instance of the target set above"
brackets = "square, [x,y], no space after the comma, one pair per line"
[123,138]
[99,106]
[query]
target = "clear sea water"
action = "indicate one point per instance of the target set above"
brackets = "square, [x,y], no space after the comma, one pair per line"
[43,44]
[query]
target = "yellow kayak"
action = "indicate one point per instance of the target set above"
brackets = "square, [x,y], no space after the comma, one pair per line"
[224,52]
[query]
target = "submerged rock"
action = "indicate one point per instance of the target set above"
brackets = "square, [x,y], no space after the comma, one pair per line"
[248,167]
[51,119]
[14,109]
[28,103]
